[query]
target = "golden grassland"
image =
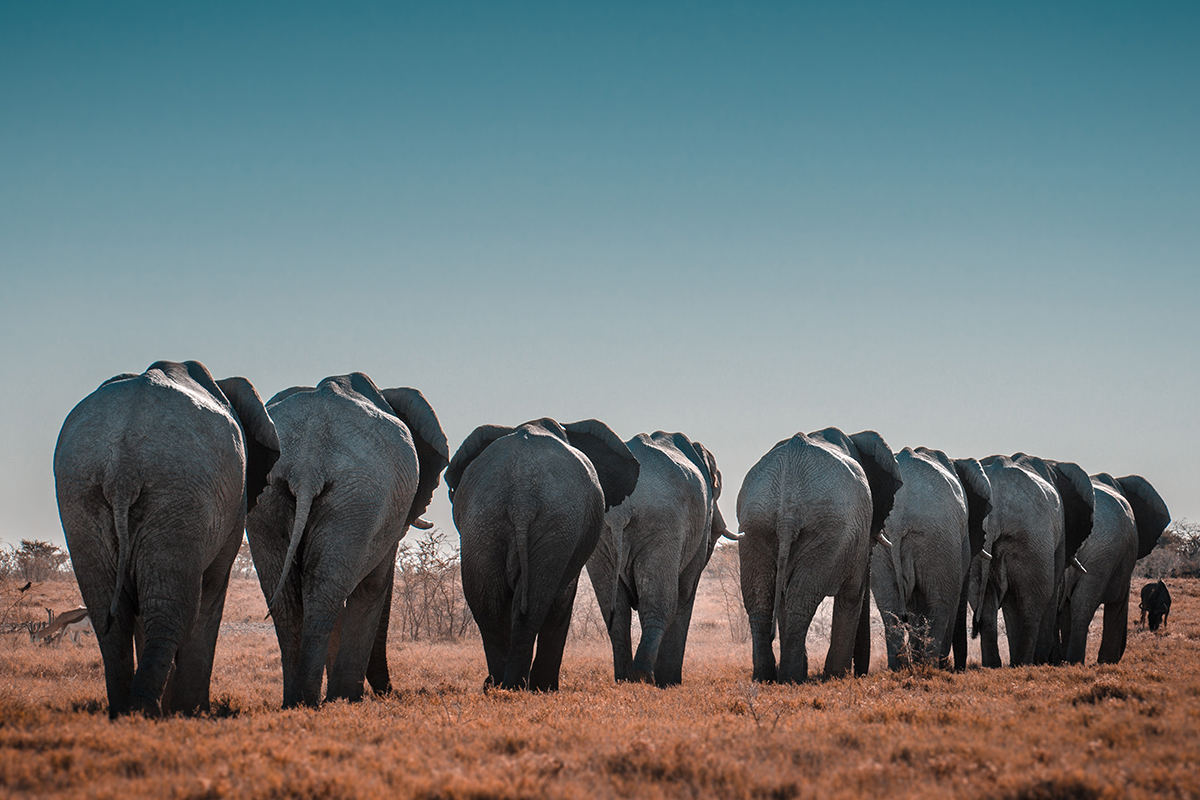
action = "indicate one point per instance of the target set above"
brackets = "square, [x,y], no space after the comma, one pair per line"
[1032,732]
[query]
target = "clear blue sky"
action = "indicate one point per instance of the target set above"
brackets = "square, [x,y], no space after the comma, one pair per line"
[968,228]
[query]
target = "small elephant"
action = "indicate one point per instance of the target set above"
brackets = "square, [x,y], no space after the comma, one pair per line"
[920,582]
[809,510]
[1130,516]
[1041,513]
[651,552]
[359,466]
[529,505]
[1156,602]
[154,475]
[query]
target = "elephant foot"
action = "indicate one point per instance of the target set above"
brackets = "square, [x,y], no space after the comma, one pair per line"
[641,676]
[146,706]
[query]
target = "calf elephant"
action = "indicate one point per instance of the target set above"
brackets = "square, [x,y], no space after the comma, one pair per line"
[809,509]
[920,582]
[154,474]
[359,466]
[1129,518]
[1155,605]
[1042,511]
[529,505]
[651,552]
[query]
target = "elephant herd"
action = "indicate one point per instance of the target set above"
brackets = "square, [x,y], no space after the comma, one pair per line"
[157,476]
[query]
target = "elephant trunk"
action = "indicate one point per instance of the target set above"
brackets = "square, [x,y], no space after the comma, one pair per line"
[304,498]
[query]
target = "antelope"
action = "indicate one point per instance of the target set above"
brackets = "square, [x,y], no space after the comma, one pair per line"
[73,624]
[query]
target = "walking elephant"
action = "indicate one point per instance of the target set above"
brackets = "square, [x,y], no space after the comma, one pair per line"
[809,510]
[1130,516]
[1041,513]
[920,582]
[359,466]
[154,474]
[651,552]
[529,505]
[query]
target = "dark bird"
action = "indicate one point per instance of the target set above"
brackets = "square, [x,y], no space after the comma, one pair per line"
[25,588]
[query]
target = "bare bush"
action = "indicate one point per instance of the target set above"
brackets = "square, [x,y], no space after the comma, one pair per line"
[1177,554]
[726,568]
[427,600]
[243,565]
[587,621]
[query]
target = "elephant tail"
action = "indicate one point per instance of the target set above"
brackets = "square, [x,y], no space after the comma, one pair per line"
[521,537]
[788,529]
[304,499]
[120,509]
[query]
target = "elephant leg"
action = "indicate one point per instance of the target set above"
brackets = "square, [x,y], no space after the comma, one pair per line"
[360,623]
[495,635]
[619,622]
[757,563]
[551,641]
[1015,626]
[959,638]
[862,637]
[843,633]
[378,674]
[520,651]
[116,650]
[890,605]
[793,638]
[188,689]
[668,667]
[1116,631]
[320,618]
[166,619]
[989,632]
[1076,614]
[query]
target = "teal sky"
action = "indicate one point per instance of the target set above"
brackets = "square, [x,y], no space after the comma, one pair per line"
[967,228]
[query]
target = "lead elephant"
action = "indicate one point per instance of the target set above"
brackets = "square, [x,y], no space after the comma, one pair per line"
[359,466]
[920,582]
[809,509]
[529,504]
[1042,511]
[154,474]
[651,552]
[1129,518]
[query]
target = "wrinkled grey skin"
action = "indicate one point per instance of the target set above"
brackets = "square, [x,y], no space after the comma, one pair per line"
[651,552]
[1041,513]
[920,582]
[154,473]
[529,504]
[359,466]
[1130,516]
[809,509]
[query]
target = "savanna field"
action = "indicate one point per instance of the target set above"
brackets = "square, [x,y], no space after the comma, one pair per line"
[1129,730]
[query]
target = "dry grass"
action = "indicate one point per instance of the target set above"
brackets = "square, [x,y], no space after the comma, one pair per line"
[1031,732]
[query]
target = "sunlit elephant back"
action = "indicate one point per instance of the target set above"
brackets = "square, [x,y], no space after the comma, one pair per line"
[529,504]
[1129,517]
[809,510]
[652,549]
[154,474]
[919,582]
[359,466]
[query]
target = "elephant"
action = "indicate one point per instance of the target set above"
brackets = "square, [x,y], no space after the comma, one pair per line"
[529,504]
[154,474]
[651,552]
[935,526]
[1156,604]
[1041,512]
[1130,516]
[809,510]
[359,466]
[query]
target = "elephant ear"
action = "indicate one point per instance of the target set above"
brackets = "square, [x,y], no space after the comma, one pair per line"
[883,475]
[469,450]
[714,474]
[262,442]
[616,467]
[433,452]
[1149,511]
[1079,502]
[978,491]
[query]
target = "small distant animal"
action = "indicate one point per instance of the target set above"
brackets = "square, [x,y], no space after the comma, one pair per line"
[25,588]
[1156,602]
[71,624]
